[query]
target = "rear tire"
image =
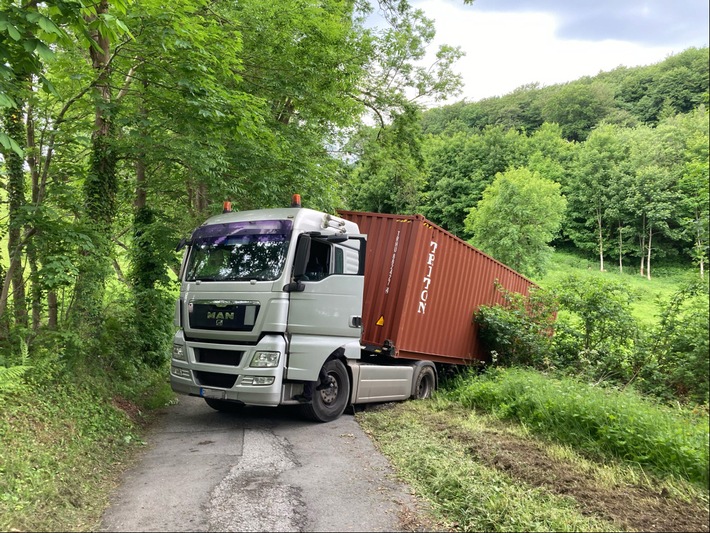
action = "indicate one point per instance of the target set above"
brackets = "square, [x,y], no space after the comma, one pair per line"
[224,406]
[329,404]
[425,383]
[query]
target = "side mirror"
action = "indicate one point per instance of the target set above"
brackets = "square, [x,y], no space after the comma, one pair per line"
[181,244]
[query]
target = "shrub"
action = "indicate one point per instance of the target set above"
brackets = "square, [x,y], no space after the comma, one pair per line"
[518,333]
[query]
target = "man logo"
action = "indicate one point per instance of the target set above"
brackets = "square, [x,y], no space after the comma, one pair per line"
[219,316]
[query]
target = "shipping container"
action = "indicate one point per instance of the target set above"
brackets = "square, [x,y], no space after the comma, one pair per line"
[423,286]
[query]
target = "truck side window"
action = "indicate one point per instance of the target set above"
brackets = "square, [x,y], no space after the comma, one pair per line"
[318,265]
[339,261]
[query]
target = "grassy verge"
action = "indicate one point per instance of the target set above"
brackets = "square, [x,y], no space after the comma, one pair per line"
[467,495]
[62,447]
[479,473]
[602,422]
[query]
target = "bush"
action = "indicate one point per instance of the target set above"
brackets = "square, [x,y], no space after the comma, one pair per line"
[679,349]
[519,332]
[598,332]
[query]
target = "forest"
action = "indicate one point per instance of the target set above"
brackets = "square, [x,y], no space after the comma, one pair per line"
[126,124]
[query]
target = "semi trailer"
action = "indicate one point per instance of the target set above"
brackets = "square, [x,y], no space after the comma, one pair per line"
[295,306]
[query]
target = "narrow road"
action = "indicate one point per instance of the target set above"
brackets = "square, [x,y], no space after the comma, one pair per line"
[259,470]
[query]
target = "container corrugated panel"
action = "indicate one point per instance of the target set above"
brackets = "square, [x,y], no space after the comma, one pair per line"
[423,286]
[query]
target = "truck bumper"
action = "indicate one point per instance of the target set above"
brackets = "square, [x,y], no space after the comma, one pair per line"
[224,371]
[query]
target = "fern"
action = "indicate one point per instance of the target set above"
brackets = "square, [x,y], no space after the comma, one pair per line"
[11,376]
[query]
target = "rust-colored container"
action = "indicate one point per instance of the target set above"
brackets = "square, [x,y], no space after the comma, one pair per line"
[422,287]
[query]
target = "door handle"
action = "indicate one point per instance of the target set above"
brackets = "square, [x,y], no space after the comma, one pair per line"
[355,321]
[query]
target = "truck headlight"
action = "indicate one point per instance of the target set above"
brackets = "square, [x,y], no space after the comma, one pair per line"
[179,352]
[265,359]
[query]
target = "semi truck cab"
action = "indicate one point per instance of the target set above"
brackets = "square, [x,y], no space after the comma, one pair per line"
[268,298]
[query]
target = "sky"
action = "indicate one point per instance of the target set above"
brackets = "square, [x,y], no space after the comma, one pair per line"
[510,43]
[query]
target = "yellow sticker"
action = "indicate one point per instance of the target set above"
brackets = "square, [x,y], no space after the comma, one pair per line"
[381,321]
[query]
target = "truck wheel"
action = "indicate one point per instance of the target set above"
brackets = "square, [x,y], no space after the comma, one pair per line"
[425,383]
[329,404]
[224,406]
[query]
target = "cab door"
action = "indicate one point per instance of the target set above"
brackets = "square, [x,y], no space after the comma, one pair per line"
[325,309]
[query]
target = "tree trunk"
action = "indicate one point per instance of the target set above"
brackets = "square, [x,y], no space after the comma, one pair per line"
[642,245]
[648,261]
[601,243]
[100,190]
[35,287]
[621,255]
[699,222]
[15,128]
[52,310]
[34,252]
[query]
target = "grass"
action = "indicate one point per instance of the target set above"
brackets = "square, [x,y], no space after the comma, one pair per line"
[602,422]
[465,494]
[63,444]
[664,282]
[480,473]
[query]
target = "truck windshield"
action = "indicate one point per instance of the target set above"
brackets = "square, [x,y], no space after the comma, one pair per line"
[239,251]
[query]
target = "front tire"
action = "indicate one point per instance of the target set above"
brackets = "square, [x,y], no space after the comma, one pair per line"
[329,404]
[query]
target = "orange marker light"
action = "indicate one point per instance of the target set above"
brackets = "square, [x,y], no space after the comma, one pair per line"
[226,207]
[296,200]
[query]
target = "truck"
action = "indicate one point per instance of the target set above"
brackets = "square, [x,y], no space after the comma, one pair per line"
[293,306]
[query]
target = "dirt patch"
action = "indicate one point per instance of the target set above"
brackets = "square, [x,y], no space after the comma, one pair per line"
[133,412]
[631,507]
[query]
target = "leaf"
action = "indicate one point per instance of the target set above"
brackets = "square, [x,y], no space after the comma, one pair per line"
[49,26]
[6,101]
[9,144]
[11,30]
[44,51]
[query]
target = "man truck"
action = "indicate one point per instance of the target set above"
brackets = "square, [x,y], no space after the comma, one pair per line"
[370,307]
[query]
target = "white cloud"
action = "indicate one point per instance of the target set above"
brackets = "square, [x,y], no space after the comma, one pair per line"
[507,50]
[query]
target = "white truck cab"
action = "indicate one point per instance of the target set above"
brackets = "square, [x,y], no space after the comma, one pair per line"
[270,297]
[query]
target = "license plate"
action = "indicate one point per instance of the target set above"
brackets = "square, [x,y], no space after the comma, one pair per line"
[212,393]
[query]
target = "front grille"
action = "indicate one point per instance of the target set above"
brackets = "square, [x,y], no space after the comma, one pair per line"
[222,315]
[218,357]
[213,379]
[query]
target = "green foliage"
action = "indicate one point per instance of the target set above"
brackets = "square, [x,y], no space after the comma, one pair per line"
[519,215]
[600,337]
[578,107]
[61,439]
[680,355]
[387,177]
[11,372]
[518,333]
[603,422]
[598,334]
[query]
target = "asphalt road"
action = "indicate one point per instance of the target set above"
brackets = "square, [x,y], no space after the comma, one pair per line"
[259,470]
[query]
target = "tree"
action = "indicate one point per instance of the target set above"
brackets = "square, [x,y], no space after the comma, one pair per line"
[694,185]
[601,161]
[519,215]
[462,166]
[577,107]
[600,311]
[389,177]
